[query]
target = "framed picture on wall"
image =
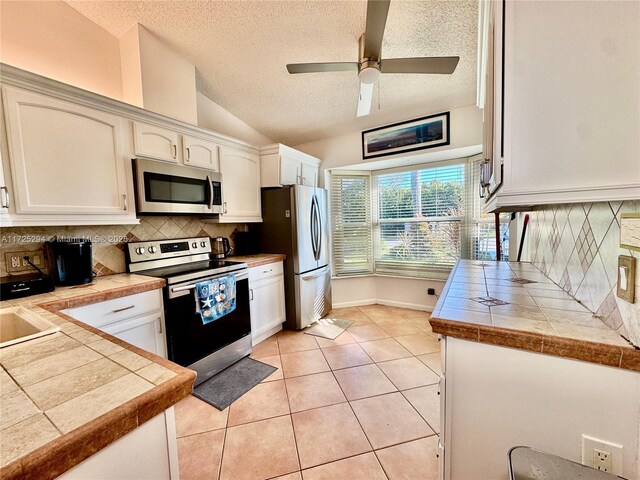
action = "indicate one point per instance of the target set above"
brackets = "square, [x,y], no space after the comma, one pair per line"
[408,136]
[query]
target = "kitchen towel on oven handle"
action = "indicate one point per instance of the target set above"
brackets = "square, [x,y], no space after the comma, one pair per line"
[216,297]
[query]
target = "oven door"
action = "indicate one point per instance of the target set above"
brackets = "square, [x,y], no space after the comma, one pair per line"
[189,341]
[166,188]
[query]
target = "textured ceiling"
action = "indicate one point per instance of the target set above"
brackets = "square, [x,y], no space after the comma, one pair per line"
[240,49]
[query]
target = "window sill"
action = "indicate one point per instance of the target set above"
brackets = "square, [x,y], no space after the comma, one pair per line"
[432,278]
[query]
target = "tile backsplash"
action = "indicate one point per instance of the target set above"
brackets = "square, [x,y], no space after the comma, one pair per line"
[109,241]
[577,246]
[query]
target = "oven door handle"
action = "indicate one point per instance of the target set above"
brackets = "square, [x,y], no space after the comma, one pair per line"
[191,286]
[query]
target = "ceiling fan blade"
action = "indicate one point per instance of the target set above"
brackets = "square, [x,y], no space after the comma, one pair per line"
[437,65]
[364,101]
[322,67]
[377,11]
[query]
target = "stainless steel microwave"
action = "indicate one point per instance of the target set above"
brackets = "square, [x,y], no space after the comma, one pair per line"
[164,188]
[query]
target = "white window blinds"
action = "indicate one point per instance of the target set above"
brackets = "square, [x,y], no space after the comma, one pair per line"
[351,224]
[420,219]
[482,231]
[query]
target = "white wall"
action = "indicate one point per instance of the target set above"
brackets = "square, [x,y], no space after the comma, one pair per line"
[168,79]
[346,150]
[395,291]
[52,39]
[213,117]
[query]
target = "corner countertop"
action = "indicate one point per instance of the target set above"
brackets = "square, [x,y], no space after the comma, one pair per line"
[67,395]
[259,259]
[515,305]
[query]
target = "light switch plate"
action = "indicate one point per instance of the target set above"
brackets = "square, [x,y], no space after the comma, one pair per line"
[626,278]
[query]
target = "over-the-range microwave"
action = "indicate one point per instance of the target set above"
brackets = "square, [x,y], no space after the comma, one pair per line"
[163,188]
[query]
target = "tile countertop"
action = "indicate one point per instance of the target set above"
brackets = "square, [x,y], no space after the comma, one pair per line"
[537,316]
[259,259]
[67,395]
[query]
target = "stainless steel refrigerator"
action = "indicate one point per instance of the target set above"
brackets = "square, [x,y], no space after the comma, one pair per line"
[296,223]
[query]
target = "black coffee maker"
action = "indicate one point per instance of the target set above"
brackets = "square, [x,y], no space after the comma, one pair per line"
[70,260]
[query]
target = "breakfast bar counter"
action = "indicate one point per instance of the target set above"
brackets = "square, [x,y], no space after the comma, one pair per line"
[515,305]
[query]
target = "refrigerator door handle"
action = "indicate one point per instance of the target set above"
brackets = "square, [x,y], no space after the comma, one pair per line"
[319,231]
[319,274]
[312,227]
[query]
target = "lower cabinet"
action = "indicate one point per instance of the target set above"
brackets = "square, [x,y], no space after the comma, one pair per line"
[266,292]
[497,398]
[137,319]
[147,452]
[146,332]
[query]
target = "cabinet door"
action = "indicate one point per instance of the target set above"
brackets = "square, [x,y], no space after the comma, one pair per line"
[267,306]
[289,170]
[200,153]
[146,332]
[155,142]
[65,158]
[240,186]
[309,175]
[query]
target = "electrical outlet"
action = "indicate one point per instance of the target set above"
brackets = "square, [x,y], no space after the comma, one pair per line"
[602,455]
[15,261]
[602,460]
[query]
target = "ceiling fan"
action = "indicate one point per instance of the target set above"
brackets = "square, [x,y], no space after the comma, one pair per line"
[370,65]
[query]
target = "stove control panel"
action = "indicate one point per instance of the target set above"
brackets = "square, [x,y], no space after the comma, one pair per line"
[159,249]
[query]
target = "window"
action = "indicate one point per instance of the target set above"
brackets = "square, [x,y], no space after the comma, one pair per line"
[420,219]
[482,232]
[411,222]
[351,224]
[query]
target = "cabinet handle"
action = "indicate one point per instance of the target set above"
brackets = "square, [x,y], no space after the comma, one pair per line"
[175,150]
[159,325]
[188,154]
[125,203]
[304,179]
[267,271]
[123,309]
[251,294]
[225,207]
[5,197]
[298,179]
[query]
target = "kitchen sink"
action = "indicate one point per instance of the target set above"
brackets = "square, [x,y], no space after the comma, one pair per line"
[20,325]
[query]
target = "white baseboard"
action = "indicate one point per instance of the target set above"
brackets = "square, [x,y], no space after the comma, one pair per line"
[412,306]
[391,303]
[264,333]
[357,303]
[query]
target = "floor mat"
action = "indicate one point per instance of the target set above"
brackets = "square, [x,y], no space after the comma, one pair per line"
[226,387]
[329,327]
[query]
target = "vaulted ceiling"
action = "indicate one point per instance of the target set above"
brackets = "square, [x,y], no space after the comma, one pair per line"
[240,49]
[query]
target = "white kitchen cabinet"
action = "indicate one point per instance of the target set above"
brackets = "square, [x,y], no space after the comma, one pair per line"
[498,397]
[155,142]
[283,165]
[68,162]
[198,152]
[566,105]
[137,319]
[266,284]
[147,452]
[240,186]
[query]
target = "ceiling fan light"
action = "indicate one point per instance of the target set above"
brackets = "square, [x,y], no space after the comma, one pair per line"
[369,75]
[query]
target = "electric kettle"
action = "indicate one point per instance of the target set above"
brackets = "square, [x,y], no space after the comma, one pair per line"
[220,247]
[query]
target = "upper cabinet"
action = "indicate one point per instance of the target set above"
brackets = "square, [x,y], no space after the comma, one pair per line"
[155,142]
[561,105]
[198,152]
[66,156]
[240,186]
[67,161]
[282,165]
[160,143]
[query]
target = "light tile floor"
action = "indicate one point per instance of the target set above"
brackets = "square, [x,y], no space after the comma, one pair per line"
[362,406]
